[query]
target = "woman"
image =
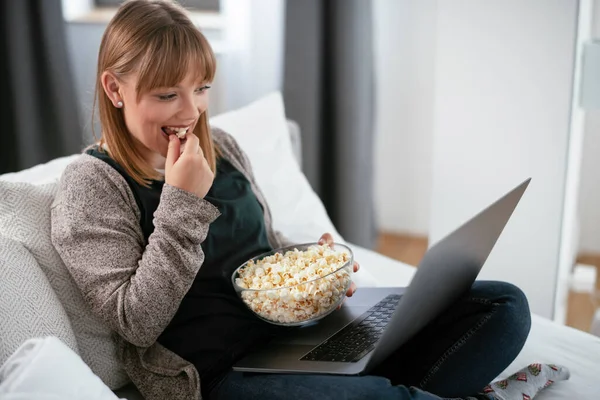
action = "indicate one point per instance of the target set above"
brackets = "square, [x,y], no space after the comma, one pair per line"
[131,222]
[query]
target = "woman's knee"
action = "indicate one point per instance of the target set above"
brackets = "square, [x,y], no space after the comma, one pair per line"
[512,308]
[510,300]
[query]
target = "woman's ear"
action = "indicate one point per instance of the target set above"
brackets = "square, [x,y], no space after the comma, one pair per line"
[112,87]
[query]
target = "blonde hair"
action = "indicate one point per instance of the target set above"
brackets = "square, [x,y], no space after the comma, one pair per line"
[157,40]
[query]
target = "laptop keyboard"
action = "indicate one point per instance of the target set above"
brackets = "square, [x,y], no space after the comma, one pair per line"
[355,341]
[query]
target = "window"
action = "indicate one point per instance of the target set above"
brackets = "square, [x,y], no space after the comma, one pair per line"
[196,5]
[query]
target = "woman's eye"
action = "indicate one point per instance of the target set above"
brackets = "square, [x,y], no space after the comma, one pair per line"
[166,97]
[202,89]
[172,96]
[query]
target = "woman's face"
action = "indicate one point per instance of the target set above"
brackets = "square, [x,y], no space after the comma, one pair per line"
[160,112]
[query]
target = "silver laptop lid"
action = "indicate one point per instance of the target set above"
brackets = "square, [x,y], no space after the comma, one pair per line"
[446,272]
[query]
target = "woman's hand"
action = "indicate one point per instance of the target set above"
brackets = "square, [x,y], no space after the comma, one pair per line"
[188,169]
[327,238]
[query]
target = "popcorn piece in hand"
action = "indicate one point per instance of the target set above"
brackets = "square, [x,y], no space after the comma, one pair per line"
[180,132]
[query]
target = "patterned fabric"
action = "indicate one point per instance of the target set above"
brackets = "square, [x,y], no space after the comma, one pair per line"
[29,306]
[535,369]
[526,383]
[519,376]
[502,384]
[25,218]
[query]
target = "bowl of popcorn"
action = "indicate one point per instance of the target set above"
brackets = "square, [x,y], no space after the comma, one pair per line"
[295,285]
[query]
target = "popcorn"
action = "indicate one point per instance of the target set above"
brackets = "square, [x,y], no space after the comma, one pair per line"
[305,284]
[181,132]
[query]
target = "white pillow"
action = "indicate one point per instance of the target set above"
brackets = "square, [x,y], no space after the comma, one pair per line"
[25,218]
[45,368]
[261,130]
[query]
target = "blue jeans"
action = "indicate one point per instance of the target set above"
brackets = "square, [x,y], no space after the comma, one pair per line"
[455,356]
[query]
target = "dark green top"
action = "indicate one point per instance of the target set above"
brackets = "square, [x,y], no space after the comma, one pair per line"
[212,326]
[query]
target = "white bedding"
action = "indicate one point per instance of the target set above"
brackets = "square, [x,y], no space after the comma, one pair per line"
[548,341]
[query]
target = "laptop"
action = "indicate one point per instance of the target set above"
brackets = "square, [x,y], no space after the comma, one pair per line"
[375,322]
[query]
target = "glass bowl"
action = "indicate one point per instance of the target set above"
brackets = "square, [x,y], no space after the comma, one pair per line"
[295,285]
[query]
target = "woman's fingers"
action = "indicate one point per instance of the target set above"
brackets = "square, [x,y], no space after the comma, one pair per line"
[351,290]
[326,238]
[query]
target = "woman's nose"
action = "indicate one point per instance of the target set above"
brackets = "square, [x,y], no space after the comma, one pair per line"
[189,109]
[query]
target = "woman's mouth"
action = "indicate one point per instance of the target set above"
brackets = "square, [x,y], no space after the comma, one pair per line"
[175,130]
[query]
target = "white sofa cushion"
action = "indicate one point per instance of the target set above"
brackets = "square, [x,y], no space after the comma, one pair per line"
[29,306]
[25,218]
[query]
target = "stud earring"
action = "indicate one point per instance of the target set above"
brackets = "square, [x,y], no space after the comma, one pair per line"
[119,104]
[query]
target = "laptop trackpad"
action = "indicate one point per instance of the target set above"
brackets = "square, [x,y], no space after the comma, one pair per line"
[324,328]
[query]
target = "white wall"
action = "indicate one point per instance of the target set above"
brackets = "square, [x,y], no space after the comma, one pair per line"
[405,57]
[589,201]
[502,113]
[404,41]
